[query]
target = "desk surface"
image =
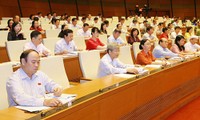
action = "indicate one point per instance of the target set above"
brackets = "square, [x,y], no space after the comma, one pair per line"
[151,96]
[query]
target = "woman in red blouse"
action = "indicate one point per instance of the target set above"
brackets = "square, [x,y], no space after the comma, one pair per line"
[35,26]
[94,43]
[133,36]
[145,56]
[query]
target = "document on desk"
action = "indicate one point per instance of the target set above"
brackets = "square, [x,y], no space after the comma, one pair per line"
[32,109]
[125,75]
[64,98]
[153,66]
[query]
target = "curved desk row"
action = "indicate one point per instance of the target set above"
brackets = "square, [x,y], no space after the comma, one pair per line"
[153,96]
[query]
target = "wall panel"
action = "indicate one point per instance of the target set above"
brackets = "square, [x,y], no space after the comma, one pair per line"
[198,8]
[33,6]
[9,8]
[113,8]
[64,6]
[183,8]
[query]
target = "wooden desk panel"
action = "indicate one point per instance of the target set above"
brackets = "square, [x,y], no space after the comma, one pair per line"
[145,98]
[3,55]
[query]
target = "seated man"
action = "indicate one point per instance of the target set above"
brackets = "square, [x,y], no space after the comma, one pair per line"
[74,24]
[94,43]
[66,44]
[161,50]
[28,86]
[149,34]
[109,64]
[36,44]
[84,31]
[176,32]
[115,38]
[192,45]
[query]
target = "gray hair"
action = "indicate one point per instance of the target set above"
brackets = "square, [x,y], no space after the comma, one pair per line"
[112,46]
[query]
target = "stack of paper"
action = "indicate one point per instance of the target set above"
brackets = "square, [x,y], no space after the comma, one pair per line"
[64,98]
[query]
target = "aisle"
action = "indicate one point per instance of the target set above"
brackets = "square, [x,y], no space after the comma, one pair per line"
[190,111]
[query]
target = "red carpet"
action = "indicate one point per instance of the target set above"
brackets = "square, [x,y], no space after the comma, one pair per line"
[190,111]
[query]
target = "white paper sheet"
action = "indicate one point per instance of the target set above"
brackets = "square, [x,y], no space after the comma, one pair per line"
[64,98]
[32,109]
[125,75]
[153,66]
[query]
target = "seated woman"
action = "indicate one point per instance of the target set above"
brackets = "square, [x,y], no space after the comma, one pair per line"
[133,36]
[16,32]
[103,28]
[66,44]
[145,56]
[178,47]
[63,27]
[94,42]
[9,23]
[35,26]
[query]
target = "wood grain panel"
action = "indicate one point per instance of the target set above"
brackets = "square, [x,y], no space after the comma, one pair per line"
[34,6]
[64,6]
[9,8]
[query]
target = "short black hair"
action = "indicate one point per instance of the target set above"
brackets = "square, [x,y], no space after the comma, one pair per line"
[35,34]
[106,22]
[66,32]
[149,28]
[164,29]
[142,43]
[95,29]
[85,24]
[83,18]
[74,19]
[177,27]
[161,23]
[25,54]
[117,31]
[96,18]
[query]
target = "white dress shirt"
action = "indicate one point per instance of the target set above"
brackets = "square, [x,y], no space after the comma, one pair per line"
[160,52]
[190,47]
[119,40]
[53,27]
[26,91]
[80,32]
[173,35]
[40,48]
[71,26]
[61,46]
[148,36]
[108,66]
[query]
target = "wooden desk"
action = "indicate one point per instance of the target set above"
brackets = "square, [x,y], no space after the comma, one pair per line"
[3,55]
[154,96]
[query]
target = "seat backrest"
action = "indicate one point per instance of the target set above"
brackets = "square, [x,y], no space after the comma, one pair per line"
[50,43]
[27,34]
[136,49]
[89,63]
[125,55]
[49,64]
[80,42]
[103,38]
[3,38]
[123,36]
[15,48]
[52,33]
[5,71]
